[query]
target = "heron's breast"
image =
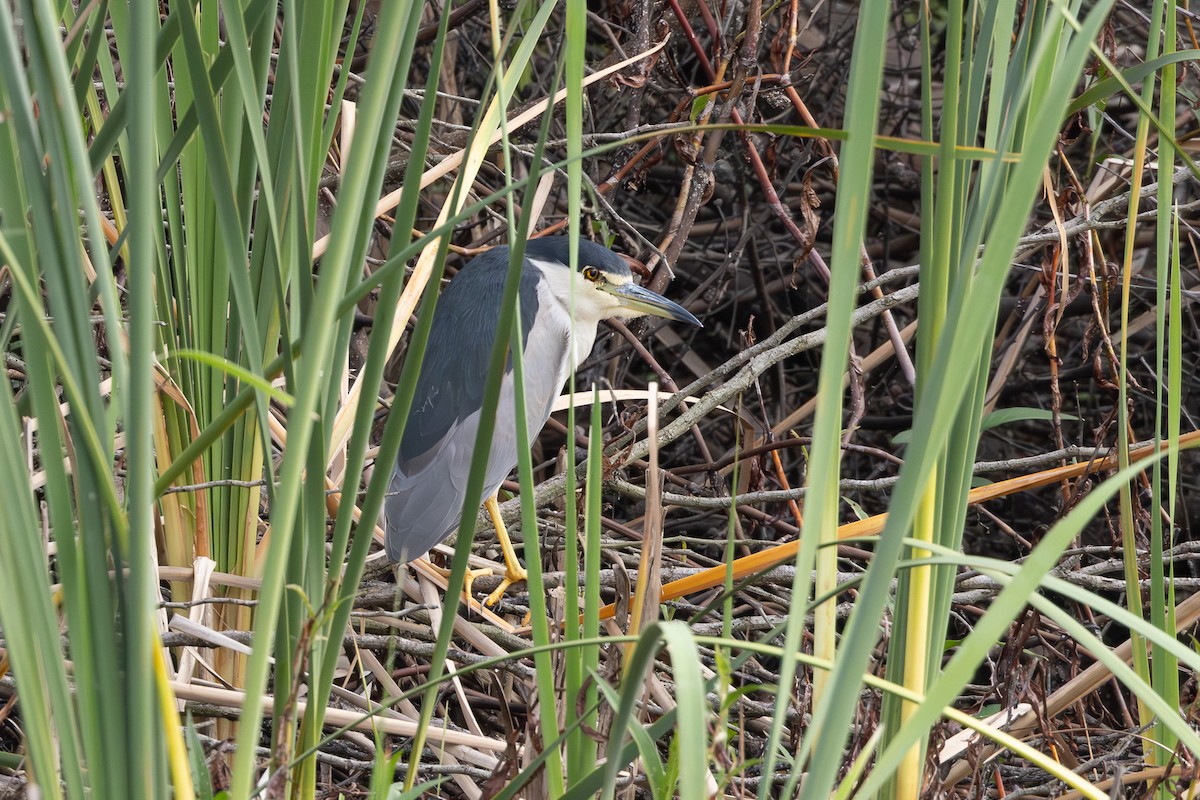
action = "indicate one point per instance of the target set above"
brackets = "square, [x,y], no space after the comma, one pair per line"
[553,348]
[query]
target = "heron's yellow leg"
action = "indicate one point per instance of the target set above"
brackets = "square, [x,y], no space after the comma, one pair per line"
[513,571]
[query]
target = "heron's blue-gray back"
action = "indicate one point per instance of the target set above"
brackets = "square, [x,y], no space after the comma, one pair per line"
[454,370]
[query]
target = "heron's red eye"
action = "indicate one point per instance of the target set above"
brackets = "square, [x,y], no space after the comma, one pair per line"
[592,274]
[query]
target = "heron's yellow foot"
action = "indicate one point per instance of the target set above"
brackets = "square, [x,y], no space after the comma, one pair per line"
[468,579]
[513,571]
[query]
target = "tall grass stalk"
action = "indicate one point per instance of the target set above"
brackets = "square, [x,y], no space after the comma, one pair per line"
[504,79]
[1160,669]
[821,500]
[976,46]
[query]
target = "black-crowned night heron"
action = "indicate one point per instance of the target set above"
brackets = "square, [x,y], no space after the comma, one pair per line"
[559,311]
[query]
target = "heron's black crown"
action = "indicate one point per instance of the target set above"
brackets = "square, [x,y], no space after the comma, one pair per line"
[556,249]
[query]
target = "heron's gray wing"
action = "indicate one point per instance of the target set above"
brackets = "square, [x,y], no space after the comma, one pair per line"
[425,495]
[429,479]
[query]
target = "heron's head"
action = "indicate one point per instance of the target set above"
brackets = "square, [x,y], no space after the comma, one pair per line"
[602,286]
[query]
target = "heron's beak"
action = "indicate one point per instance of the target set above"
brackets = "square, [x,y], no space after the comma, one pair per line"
[644,301]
